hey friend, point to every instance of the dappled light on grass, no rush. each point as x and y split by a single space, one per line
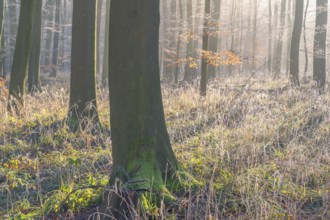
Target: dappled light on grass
258 151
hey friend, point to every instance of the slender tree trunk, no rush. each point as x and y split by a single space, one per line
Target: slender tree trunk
305 42
21 57
278 52
205 46
169 56
98 35
105 70
320 37
232 34
289 36
83 105
254 38
295 43
270 31
2 18
3 63
13 30
189 54
34 57
56 38
49 33
143 160
213 44
178 46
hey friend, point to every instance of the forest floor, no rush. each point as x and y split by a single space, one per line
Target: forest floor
260 149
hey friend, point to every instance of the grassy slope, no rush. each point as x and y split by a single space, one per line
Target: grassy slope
260 151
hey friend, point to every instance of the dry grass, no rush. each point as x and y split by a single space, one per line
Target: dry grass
261 151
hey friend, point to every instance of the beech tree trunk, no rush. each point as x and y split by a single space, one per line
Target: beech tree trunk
205 46
105 69
295 43
56 37
83 105
320 37
278 50
142 155
34 58
213 44
2 18
21 56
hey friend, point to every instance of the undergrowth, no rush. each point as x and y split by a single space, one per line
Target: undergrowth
260 151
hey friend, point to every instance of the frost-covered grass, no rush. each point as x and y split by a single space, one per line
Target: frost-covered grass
260 150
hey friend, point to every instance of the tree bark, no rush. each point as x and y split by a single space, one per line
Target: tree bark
254 38
320 37
213 44
56 37
188 74
295 43
142 155
105 69
278 52
2 18
98 35
305 42
21 57
205 46
34 57
49 33
178 45
83 105
270 31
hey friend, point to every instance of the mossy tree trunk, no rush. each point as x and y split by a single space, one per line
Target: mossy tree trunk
295 43
143 159
205 46
21 56
57 10
34 58
83 106
320 37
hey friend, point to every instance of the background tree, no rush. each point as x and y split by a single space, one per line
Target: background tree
305 40
57 12
205 47
21 56
49 33
214 39
105 69
142 153
278 50
320 37
83 105
270 30
295 43
2 18
34 57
